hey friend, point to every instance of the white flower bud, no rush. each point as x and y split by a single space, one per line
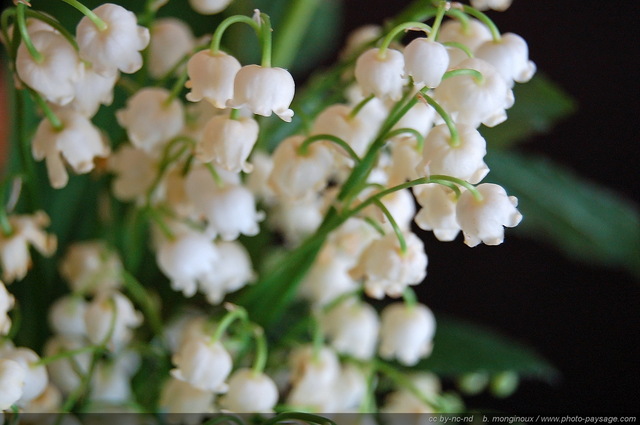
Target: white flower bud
297 218
66 316
171 40
151 122
12 382
328 278
184 403
50 400
263 91
228 142
250 392
203 364
359 37
232 271
510 56
135 171
111 314
471 34
313 378
426 61
357 131
464 161
35 377
117 46
381 76
406 333
438 212
499 5
483 221
352 329
90 267
211 77
209 7
6 303
111 382
67 373
405 401
92 90
54 77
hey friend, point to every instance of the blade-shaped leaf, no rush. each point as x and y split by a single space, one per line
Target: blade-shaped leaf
586 221
461 347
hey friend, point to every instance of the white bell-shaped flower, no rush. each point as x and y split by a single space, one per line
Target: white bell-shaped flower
360 36
250 392
473 102
78 144
426 61
149 120
209 7
187 260
90 267
135 171
55 76
118 45
14 249
387 270
406 333
328 278
483 221
92 90
171 40
336 120
111 315
232 271
296 218
12 382
405 401
264 90
400 205
66 316
438 212
228 142
203 364
67 373
211 77
349 390
6 303
499 5
313 376
510 56
111 381
257 181
296 176
35 376
381 76
471 33
464 161
184 403
352 328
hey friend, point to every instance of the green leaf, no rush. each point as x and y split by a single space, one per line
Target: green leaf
539 105
586 221
461 348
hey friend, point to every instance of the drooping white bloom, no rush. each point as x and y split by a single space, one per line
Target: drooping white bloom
510 56
357 130
78 144
463 161
250 392
92 90
66 373
352 328
12 382
406 332
187 260
6 303
295 175
381 76
232 271
228 142
438 212
118 45
263 91
474 102
499 5
297 218
328 278
483 221
471 33
149 120
111 382
426 61
203 364
14 249
185 403
387 270
135 171
35 376
349 389
209 7
90 266
211 77
400 205
54 77
359 37
66 316
405 401
49 400
313 376
111 314
257 181
171 40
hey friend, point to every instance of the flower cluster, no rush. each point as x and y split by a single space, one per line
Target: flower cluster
337 199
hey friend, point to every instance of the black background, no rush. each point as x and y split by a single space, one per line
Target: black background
583 318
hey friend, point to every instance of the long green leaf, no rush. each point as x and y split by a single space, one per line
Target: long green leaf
586 221
461 347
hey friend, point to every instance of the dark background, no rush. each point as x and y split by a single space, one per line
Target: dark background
583 318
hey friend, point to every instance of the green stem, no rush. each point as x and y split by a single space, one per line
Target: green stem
266 39
454 141
234 114
55 24
474 73
388 39
292 30
394 225
139 294
360 105
5 225
99 23
409 297
442 8
176 89
303 149
495 32
234 313
415 133
166 231
217 35
25 150
262 351
402 381
377 227
21 21
66 354
461 17
460 46
214 174
48 112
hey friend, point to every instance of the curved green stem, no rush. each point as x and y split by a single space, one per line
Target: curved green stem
99 23
388 39
215 175
66 354
376 226
415 133
5 225
460 46
166 231
262 351
303 149
141 297
234 312
495 32
402 381
474 73
21 21
394 225
176 89
266 40
360 105
217 35
48 112
454 141
461 17
442 8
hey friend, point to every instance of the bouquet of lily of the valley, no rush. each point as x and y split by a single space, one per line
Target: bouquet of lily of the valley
212 237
